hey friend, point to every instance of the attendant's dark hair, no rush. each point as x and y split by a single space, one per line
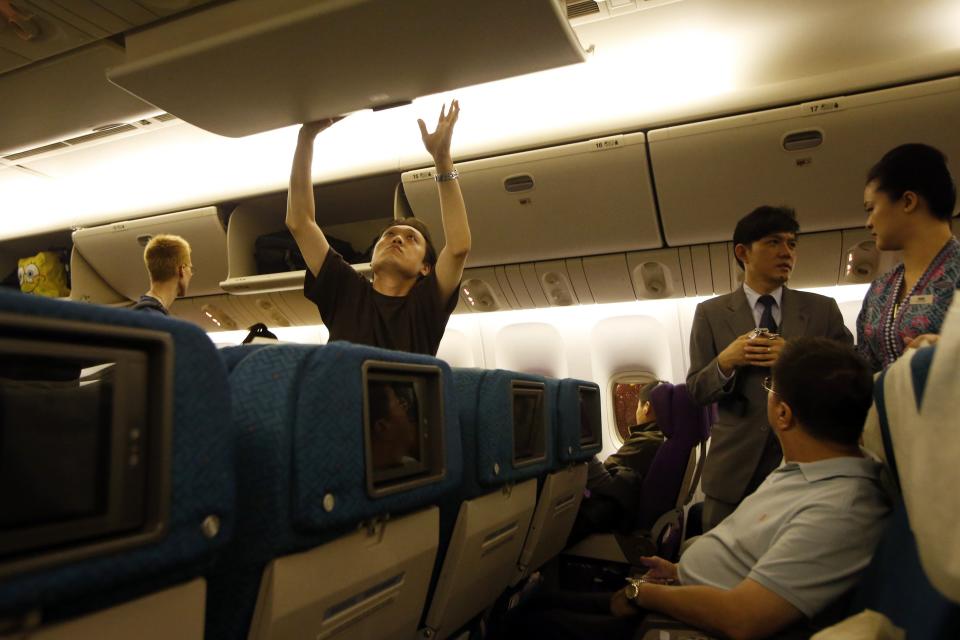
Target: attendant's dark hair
430 255
828 387
762 222
919 168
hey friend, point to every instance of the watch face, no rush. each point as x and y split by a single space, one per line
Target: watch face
633 590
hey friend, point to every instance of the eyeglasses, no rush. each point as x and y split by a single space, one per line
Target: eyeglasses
193 271
768 384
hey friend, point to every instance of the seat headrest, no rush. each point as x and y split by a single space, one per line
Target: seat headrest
677 415
201 469
328 453
485 398
570 448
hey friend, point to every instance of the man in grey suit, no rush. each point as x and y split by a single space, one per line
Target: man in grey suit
728 361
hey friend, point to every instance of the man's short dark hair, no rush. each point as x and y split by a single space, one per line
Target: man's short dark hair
827 385
643 395
762 222
430 255
919 168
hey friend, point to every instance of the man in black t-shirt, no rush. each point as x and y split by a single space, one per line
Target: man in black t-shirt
414 290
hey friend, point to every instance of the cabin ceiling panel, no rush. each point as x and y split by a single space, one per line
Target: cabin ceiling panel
64 97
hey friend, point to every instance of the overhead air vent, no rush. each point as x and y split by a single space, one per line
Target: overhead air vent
581 8
35 151
99 133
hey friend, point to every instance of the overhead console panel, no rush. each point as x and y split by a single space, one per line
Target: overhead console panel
585 198
813 157
249 66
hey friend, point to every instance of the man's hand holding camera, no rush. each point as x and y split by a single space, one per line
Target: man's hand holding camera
758 348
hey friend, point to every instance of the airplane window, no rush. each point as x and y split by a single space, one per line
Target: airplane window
626 389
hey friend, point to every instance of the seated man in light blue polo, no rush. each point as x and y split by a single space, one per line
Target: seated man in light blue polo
800 542
790 549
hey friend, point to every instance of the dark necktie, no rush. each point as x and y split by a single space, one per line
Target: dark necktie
766 318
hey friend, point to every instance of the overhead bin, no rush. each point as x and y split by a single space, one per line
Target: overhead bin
86 285
115 251
813 157
248 66
353 211
585 198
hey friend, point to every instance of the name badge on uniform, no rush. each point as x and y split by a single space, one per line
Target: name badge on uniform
922 299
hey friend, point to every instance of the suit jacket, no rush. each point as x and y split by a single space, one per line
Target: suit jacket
739 436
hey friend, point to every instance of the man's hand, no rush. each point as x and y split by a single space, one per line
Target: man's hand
923 340
620 605
735 355
659 570
313 129
764 352
438 142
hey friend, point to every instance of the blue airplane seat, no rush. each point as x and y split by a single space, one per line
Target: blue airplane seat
483 527
233 354
164 574
580 431
578 437
895 583
318 552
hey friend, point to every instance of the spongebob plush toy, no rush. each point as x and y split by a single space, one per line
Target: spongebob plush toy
43 275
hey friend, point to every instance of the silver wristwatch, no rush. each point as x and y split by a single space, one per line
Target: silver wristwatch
633 589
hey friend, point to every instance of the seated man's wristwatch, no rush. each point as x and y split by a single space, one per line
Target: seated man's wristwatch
632 590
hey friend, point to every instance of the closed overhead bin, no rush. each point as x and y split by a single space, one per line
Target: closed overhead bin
585 198
812 156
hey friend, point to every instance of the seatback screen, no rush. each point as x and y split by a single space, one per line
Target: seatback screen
403 424
54 441
529 425
397 446
589 415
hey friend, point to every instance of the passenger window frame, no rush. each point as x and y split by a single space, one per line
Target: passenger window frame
635 378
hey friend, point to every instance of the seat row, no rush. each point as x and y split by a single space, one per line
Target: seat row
335 491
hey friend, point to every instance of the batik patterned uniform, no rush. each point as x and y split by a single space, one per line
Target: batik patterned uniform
883 326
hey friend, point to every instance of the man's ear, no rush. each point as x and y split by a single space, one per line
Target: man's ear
783 415
380 426
910 201
741 251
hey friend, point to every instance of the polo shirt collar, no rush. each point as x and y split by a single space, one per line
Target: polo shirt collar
850 467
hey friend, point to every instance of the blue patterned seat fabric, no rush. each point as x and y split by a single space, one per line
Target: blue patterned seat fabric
569 447
298 413
232 355
486 421
894 583
202 477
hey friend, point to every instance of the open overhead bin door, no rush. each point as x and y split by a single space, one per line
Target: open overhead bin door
250 65
586 198
115 251
813 157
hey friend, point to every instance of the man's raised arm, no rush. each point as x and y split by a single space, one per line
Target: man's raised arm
301 217
453 212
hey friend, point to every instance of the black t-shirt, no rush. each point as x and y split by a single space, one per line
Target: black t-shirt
352 310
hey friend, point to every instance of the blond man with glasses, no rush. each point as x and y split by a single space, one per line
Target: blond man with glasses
168 262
